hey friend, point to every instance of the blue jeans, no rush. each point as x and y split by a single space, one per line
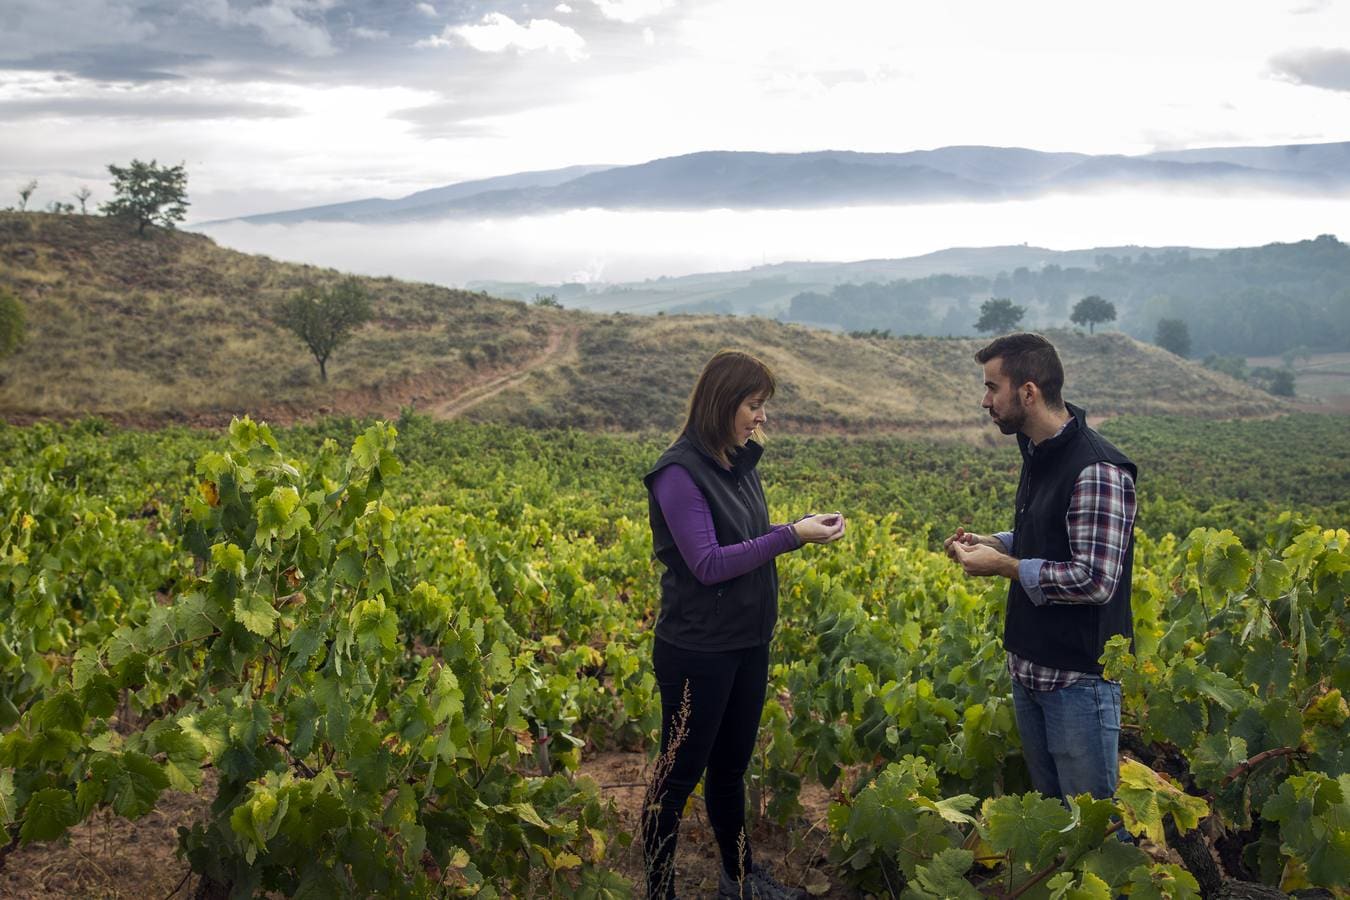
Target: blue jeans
1070 737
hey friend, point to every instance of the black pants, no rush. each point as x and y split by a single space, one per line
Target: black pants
714 731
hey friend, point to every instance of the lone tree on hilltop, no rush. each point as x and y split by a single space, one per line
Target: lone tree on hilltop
83 195
25 192
11 323
324 318
1174 336
1091 310
148 193
999 314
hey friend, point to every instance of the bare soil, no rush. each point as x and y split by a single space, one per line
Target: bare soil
797 855
109 858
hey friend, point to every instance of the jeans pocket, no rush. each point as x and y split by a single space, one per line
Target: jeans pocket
1108 704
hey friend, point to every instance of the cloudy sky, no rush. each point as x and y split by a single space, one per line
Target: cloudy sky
275 104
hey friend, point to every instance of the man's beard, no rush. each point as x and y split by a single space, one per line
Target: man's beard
1015 419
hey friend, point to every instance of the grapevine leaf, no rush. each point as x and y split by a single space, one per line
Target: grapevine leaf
1330 709
565 861
99 695
304 643
1027 826
350 566
1314 815
228 559
1065 886
280 514
302 714
47 816
1163 882
1214 757
337 713
1273 579
1283 721
134 783
192 617
255 613
1091 818
1227 565
210 726
414 841
85 666
185 754
1146 796
944 875
8 810
376 626
952 808
61 710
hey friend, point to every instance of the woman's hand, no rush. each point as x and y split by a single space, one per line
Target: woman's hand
821 528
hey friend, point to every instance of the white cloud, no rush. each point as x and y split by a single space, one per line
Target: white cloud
632 10
562 8
426 9
498 32
648 36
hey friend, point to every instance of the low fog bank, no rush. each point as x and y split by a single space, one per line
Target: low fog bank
616 246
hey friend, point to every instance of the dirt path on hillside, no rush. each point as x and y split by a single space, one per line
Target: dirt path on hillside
561 347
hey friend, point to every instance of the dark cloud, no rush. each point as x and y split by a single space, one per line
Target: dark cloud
115 63
136 107
1323 68
310 43
118 40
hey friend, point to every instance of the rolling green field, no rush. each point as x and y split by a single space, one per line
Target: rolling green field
394 646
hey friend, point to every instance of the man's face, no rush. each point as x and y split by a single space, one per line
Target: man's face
1001 398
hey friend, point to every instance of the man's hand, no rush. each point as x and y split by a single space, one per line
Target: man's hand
970 539
981 559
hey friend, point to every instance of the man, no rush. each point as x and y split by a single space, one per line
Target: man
1068 559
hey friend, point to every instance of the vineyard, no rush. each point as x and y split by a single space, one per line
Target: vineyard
386 651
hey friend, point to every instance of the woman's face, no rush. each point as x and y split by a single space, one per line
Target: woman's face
750 415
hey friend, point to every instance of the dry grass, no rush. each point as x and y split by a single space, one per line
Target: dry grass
175 328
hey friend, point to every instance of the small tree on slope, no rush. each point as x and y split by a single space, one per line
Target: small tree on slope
324 318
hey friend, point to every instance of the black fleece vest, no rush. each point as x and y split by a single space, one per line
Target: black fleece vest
1062 636
735 614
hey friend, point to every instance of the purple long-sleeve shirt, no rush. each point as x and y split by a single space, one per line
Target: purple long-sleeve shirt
691 524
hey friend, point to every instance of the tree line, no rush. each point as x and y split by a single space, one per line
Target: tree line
1246 302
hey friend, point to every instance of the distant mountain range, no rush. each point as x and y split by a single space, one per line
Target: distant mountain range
746 180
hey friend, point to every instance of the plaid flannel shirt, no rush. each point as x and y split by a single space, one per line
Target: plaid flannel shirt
1100 520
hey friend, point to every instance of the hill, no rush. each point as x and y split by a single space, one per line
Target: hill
175 328
717 179
769 289
1247 301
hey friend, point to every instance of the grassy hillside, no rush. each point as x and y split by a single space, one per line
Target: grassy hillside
175 328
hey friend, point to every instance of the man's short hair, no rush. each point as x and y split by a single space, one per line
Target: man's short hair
1028 357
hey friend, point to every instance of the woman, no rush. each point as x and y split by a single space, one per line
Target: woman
719 603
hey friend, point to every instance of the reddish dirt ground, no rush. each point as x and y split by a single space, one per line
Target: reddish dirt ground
108 857
796 856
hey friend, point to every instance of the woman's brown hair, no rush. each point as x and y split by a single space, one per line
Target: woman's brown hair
727 380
